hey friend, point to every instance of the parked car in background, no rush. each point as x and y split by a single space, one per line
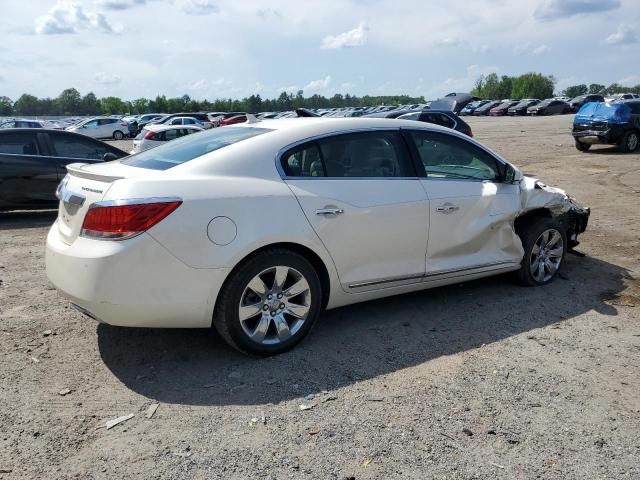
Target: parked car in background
580 100
549 107
443 118
233 120
33 161
615 123
200 116
155 135
453 102
503 108
147 118
185 235
101 127
521 107
21 123
185 121
390 113
622 96
471 107
486 108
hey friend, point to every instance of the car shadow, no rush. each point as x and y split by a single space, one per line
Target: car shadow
610 150
20 219
354 343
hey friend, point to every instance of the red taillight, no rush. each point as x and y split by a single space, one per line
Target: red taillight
470 133
117 222
149 135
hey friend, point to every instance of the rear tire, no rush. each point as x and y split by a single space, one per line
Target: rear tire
273 320
118 135
545 246
583 147
629 142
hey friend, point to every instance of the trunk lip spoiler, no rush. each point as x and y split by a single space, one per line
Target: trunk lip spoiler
76 169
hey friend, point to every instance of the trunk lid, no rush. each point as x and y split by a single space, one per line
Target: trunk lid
84 185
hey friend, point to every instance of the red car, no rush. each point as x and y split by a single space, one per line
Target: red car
233 120
503 108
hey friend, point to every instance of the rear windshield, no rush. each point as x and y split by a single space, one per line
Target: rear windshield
187 148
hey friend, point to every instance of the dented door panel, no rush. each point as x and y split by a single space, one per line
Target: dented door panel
471 224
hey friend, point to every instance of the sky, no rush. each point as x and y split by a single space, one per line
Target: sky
235 48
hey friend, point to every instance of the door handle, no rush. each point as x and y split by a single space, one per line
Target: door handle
447 208
328 212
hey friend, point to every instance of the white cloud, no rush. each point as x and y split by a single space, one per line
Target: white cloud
353 38
107 78
318 85
449 42
554 9
120 4
68 16
625 35
347 86
540 50
198 84
200 7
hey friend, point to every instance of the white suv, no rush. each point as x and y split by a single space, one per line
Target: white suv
102 127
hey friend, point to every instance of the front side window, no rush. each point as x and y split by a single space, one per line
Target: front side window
190 147
71 147
92 123
448 157
19 144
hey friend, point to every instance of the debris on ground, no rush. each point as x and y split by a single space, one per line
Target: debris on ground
152 410
307 406
64 391
112 423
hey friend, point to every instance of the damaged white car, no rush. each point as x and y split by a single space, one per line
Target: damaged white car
255 229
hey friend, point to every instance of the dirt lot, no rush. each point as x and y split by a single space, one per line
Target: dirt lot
484 380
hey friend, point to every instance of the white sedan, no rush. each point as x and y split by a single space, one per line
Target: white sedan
102 127
255 229
155 135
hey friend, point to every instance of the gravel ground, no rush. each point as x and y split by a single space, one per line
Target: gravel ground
483 380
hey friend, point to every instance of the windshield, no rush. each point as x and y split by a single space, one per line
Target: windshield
544 103
187 148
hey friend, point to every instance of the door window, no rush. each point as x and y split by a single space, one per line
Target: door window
72 147
445 156
171 134
368 154
19 144
107 121
91 124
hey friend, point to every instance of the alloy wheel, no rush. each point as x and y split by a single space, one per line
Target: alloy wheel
632 142
546 255
274 305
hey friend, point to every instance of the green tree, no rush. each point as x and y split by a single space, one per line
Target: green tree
576 90
90 105
140 105
533 85
69 101
113 106
596 88
6 106
26 105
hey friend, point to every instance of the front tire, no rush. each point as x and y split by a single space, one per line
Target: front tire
545 246
629 142
118 135
270 303
583 147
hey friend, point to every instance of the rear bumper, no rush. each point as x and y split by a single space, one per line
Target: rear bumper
609 134
134 283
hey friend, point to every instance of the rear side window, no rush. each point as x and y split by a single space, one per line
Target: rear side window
438 119
19 144
357 155
192 146
635 107
446 156
71 147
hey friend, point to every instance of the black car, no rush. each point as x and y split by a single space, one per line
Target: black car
615 123
484 109
390 113
549 107
33 161
577 102
19 123
444 118
521 108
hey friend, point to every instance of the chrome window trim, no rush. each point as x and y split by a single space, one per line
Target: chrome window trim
25 155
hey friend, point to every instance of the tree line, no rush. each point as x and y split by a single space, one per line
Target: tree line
71 103
537 85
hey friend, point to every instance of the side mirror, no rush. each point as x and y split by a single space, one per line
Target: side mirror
107 157
511 175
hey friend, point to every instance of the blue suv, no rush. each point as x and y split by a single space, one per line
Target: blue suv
615 123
